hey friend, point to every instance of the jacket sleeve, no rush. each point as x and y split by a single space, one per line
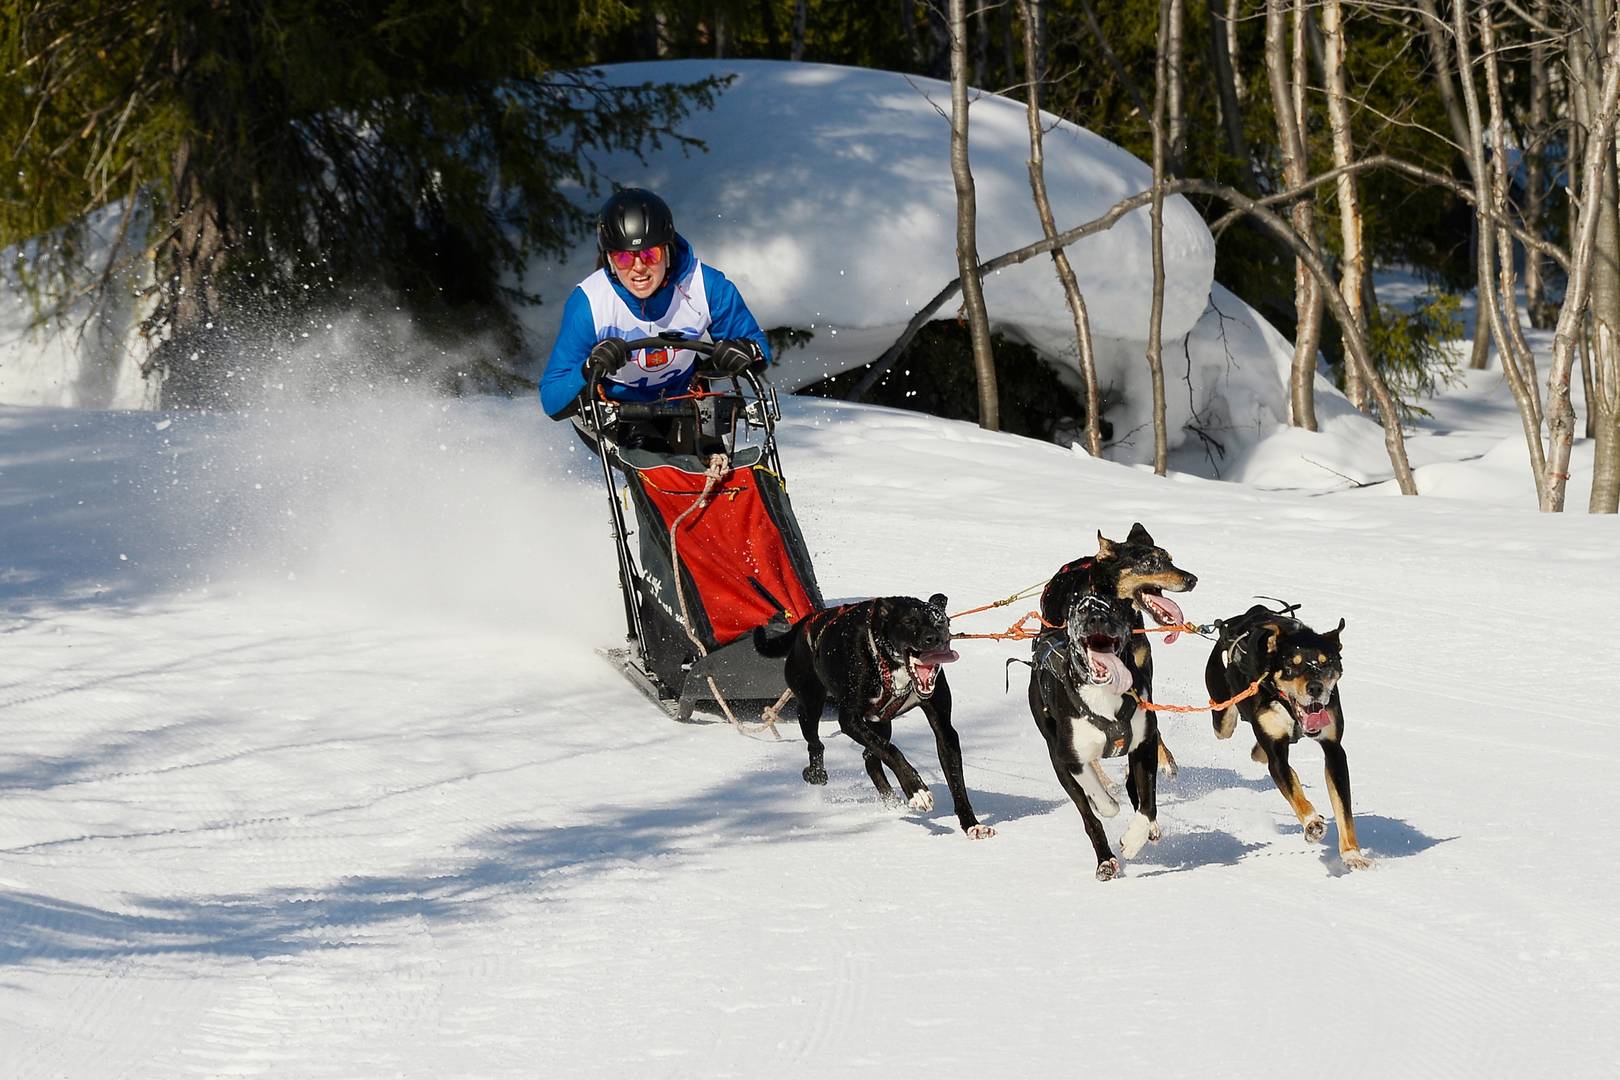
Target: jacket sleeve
729 317
562 380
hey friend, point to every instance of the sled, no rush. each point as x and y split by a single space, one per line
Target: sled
735 562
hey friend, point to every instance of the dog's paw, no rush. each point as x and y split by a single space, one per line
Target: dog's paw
1167 763
1315 829
1108 870
979 832
815 774
1355 860
1155 834
1136 834
1225 723
921 799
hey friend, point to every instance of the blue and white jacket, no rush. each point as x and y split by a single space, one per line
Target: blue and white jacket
694 301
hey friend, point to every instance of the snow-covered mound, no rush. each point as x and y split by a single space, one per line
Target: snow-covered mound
826 195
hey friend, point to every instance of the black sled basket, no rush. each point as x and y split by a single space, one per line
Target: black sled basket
736 562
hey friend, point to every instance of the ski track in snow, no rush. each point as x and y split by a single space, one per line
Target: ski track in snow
322 779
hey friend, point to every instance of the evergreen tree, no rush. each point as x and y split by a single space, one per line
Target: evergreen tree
271 153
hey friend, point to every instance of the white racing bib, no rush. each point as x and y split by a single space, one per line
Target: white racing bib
687 315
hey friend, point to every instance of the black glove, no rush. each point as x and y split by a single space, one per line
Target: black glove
734 356
607 356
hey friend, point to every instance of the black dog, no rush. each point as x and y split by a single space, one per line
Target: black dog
875 660
1298 671
1090 674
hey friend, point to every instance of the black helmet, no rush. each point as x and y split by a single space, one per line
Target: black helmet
634 220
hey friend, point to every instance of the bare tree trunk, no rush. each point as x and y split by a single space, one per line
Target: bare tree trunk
1535 176
1307 297
1060 258
981 44
1597 213
1176 96
967 252
801 13
1353 268
1226 89
1436 33
1155 357
1233 9
1490 189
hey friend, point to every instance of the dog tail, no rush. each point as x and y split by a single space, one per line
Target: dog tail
777 646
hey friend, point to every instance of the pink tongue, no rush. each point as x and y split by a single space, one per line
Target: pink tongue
1317 719
938 657
1167 612
1109 671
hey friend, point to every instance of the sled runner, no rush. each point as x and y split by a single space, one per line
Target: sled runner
708 549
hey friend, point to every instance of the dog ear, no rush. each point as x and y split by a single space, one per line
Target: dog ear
881 607
1270 634
1139 535
938 600
1333 634
1105 546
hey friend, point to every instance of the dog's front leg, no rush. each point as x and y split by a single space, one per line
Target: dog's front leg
854 725
1107 865
1141 784
1337 769
1287 781
949 744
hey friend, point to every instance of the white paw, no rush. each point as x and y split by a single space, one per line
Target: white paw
1315 829
922 800
980 832
1136 834
1107 871
1355 860
1155 834
1107 808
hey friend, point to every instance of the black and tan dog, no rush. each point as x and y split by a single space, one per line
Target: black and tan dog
875 660
1138 572
1298 696
1092 670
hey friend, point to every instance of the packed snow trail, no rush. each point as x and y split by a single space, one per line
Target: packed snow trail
310 771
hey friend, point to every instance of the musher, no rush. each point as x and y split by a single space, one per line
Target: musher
647 282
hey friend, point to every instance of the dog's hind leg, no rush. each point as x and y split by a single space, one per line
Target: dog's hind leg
874 764
917 794
1337 769
811 701
1167 760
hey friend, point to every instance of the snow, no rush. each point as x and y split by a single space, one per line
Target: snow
311 770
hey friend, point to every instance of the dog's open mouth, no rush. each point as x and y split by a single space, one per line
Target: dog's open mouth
1165 611
924 668
1103 665
1313 716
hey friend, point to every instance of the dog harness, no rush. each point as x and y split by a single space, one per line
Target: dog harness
1053 656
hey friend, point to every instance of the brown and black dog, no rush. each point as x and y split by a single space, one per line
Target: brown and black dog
875 660
1298 696
1090 674
1138 572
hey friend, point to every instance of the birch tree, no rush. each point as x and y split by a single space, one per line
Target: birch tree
1286 88
967 253
1060 258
